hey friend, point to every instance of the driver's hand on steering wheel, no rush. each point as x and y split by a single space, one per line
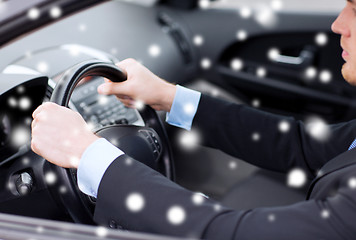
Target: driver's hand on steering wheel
141 86
60 135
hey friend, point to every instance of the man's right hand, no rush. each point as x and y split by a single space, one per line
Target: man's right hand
141 86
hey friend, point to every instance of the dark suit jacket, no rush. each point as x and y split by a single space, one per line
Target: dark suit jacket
328 213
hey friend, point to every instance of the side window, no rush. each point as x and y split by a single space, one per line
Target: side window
288 5
140 2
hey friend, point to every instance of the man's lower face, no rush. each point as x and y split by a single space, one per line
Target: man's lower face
349 73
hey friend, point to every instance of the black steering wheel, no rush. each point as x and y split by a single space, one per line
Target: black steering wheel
148 144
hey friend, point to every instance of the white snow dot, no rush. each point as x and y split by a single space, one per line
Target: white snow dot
245 12
217 207
176 215
90 126
103 99
236 64
28 54
189 108
20 136
114 51
317 128
198 40
114 141
20 89
271 217
256 137
25 161
42 67
284 126
352 183
135 202
128 161
40 229
215 92
50 178
139 105
241 35
311 72
261 72
325 76
189 140
33 13
232 165
101 231
325 214
55 12
204 4
198 198
266 17
24 103
12 102
74 51
276 5
273 54
296 178
319 173
28 120
74 161
205 63
321 39
11 186
63 189
154 50
256 103
82 27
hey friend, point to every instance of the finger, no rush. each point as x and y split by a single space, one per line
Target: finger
37 111
121 96
128 102
34 146
85 80
104 88
46 107
125 64
33 124
113 88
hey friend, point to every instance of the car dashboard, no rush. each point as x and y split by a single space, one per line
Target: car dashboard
39 60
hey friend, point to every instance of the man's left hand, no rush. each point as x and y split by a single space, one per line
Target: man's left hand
60 135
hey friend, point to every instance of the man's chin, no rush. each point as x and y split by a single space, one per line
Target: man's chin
349 76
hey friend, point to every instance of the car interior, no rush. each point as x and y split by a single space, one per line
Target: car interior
286 63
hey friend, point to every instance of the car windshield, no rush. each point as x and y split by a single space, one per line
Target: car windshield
10 8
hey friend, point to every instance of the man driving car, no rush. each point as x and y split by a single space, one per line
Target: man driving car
131 195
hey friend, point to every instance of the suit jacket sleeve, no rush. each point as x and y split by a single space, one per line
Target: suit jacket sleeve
328 218
229 127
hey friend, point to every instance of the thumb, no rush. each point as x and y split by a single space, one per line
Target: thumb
110 88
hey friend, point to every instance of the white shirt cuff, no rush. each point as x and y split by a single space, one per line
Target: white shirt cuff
184 108
93 164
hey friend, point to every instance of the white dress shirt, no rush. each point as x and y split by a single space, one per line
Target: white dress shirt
100 154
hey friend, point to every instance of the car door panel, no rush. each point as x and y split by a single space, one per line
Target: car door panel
293 35
285 88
